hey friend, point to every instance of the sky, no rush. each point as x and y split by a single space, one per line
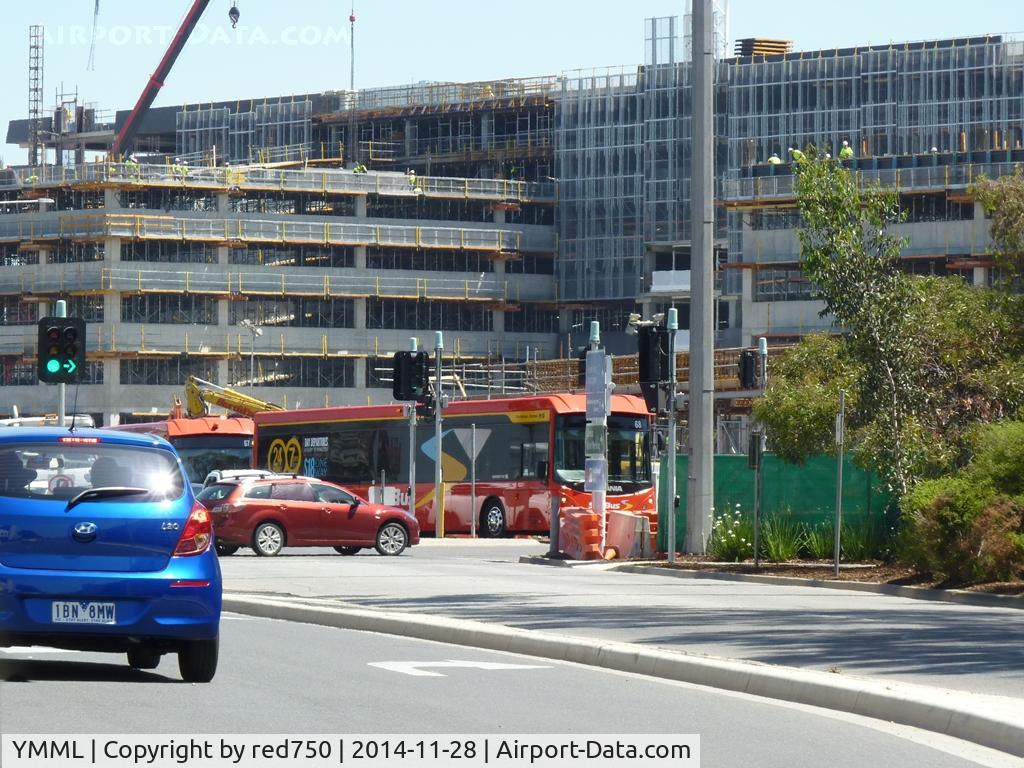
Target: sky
302 46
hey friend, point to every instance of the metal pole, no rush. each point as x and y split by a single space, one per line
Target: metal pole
762 437
670 475
438 490
412 446
62 311
757 500
700 489
840 428
252 359
599 494
472 480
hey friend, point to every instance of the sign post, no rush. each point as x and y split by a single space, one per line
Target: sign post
840 429
599 386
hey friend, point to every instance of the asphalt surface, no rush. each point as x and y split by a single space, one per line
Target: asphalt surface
281 677
960 647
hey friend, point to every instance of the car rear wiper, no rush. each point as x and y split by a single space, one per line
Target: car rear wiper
110 492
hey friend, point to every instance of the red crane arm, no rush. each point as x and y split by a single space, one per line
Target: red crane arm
156 80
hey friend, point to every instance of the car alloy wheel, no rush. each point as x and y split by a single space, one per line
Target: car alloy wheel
267 539
391 539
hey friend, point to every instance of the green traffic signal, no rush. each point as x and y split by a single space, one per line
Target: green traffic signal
61 349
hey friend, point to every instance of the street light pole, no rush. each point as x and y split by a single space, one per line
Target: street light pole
255 330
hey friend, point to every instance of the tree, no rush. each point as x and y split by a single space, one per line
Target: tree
799 407
1003 200
853 262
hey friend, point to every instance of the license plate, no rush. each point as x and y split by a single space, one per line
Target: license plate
77 612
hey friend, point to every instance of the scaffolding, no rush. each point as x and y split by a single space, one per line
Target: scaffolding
35 94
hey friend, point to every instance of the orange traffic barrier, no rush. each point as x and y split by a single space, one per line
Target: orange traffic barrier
579 534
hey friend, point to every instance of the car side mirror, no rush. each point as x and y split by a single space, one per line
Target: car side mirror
354 505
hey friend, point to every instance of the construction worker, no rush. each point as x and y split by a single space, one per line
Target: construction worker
774 159
131 166
33 179
360 168
412 180
846 152
796 155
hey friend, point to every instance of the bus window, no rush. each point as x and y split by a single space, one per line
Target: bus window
534 459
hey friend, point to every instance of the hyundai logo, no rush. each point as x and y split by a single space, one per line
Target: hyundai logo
84 532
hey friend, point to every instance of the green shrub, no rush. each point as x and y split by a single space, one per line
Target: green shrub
962 530
732 536
865 538
820 541
781 538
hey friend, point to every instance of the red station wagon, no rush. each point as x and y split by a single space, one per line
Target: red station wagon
269 514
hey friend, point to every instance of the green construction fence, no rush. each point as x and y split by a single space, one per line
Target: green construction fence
807 492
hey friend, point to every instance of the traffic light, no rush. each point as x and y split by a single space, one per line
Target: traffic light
748 369
411 376
61 350
653 343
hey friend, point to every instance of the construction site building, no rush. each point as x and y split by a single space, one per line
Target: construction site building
546 203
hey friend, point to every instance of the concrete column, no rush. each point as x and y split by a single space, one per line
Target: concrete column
112 385
980 278
486 130
223 254
112 250
499 215
359 374
410 137
361 207
223 202
747 307
360 257
359 314
110 198
222 374
499 321
223 314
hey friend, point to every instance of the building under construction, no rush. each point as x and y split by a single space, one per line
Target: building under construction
534 206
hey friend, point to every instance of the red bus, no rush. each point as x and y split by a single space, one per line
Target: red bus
204 443
527 450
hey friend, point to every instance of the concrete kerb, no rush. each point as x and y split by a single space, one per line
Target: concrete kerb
993 722
915 593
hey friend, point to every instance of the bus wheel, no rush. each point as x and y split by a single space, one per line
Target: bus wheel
267 539
492 520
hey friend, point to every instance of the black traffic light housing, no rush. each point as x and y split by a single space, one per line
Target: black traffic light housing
411 376
61 351
748 369
653 344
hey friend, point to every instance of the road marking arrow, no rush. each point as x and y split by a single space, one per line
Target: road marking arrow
415 668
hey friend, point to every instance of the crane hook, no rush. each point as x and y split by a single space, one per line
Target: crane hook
234 15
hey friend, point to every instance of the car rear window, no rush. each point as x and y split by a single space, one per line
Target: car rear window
62 470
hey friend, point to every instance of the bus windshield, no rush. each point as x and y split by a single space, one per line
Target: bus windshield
203 453
628 451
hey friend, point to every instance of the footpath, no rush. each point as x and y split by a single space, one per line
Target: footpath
950 668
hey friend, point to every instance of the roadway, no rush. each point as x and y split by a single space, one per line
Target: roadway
277 677
961 647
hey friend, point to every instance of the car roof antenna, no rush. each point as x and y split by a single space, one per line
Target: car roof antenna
74 409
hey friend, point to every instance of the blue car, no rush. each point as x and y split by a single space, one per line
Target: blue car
104 548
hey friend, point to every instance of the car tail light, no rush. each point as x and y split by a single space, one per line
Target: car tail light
198 533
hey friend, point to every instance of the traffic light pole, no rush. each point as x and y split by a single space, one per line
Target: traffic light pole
412 447
62 389
438 408
670 475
